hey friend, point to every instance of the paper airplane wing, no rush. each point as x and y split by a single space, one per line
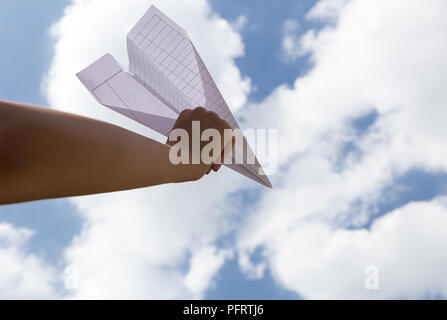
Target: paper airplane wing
167 75
163 57
116 89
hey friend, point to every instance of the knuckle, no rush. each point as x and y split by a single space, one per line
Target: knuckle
228 126
225 124
199 109
184 112
212 115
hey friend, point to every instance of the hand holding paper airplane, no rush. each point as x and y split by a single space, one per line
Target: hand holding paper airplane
166 76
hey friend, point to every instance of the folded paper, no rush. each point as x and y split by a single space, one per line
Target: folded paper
166 75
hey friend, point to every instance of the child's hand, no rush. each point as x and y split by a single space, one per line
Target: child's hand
208 119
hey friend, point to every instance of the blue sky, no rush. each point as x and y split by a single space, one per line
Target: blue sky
27 50
265 24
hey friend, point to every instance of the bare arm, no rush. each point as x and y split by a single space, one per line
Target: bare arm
46 154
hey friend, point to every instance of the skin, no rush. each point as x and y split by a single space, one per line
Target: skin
46 153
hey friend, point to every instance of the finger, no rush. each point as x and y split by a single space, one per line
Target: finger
200 110
184 111
216 167
181 117
212 116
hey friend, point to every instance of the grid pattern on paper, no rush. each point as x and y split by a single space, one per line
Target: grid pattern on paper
167 62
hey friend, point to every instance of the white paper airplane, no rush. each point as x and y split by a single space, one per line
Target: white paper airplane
166 75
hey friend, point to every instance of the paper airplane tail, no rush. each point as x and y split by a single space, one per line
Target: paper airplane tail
242 169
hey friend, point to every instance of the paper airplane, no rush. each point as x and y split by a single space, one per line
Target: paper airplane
166 75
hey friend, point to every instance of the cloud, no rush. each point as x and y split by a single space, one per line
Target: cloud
380 57
145 243
240 23
327 10
203 266
23 275
406 246
290 40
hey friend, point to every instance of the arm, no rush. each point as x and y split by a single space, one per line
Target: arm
46 154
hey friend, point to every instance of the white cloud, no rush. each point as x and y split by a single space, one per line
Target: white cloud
327 10
137 243
382 56
291 41
203 266
23 275
407 246
240 23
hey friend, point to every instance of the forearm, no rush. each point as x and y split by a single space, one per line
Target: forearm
47 154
